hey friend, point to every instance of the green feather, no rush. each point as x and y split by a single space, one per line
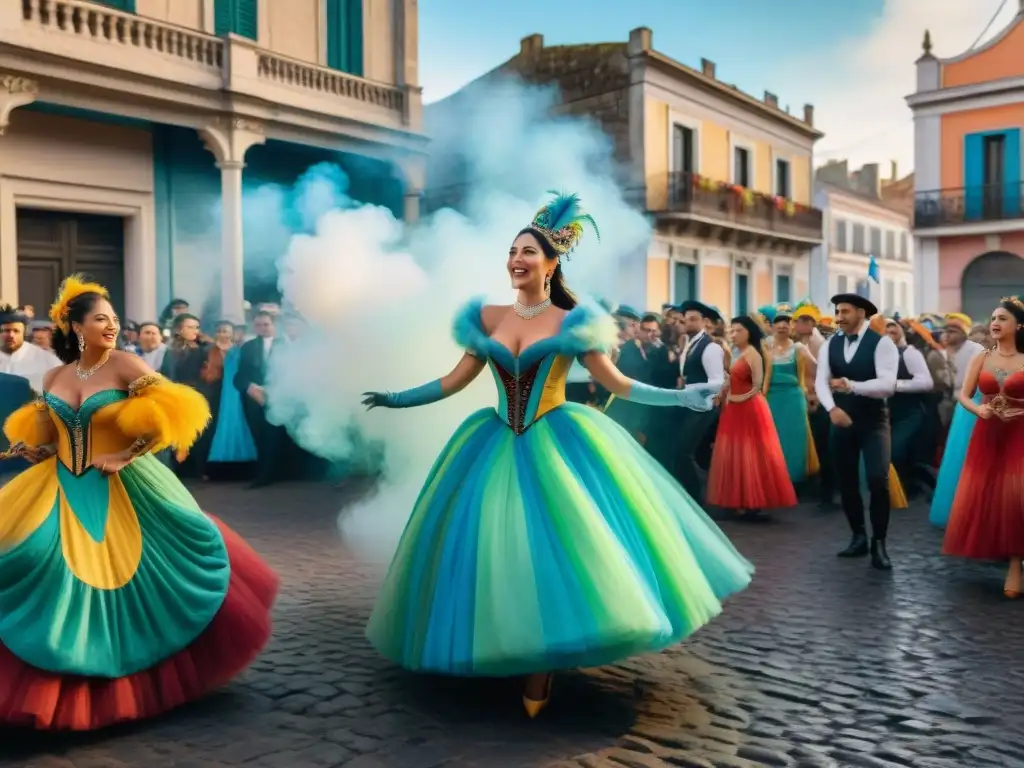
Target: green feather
562 211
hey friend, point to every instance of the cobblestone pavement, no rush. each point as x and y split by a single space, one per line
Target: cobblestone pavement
822 662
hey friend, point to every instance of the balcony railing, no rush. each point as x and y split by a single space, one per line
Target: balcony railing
968 205
724 203
94 34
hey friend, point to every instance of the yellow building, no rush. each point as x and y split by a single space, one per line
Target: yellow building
726 177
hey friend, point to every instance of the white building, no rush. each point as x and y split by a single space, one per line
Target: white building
125 127
858 225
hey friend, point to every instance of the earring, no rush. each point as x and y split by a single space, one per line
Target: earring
547 284
81 344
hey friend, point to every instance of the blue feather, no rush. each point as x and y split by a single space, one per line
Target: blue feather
563 211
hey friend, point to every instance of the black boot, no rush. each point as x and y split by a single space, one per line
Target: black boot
879 557
858 546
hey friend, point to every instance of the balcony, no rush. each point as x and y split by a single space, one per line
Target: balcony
990 204
86 52
735 214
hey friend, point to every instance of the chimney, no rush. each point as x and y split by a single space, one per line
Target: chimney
809 114
640 41
771 99
532 45
894 168
707 68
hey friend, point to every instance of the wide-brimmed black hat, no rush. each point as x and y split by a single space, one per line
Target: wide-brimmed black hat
699 306
856 300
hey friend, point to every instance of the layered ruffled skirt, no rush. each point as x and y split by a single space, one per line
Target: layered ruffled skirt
567 546
119 598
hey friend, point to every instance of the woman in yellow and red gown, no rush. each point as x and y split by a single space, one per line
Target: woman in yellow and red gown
748 470
119 598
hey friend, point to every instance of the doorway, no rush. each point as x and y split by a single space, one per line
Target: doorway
987 279
55 244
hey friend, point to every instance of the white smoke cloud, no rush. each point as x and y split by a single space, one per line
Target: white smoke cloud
380 296
860 92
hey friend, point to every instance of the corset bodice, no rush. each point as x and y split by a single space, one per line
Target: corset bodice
530 385
89 431
1003 391
741 378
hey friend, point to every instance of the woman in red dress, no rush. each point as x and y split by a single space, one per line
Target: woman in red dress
748 470
986 521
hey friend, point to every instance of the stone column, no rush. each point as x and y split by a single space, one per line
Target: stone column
229 139
413 171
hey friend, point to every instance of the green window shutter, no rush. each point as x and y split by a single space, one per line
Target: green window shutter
345 35
247 19
237 16
128 6
223 17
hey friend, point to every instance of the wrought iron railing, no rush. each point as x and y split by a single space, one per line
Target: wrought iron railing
966 205
730 203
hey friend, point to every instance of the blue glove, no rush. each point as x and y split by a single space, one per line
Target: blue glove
409 398
696 398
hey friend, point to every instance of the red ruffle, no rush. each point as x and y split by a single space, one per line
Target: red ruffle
49 701
986 520
748 469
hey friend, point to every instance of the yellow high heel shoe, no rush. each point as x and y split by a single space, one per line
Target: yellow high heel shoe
533 707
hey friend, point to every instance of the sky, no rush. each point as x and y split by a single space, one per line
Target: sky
852 59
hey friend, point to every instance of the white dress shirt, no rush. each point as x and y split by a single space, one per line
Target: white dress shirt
887 363
268 344
962 361
917 367
155 357
712 359
30 362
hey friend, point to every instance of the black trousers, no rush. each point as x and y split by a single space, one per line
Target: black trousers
693 426
867 439
821 432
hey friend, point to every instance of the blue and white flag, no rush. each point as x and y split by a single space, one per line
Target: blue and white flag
873 270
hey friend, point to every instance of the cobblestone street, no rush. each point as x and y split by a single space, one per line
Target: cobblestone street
822 662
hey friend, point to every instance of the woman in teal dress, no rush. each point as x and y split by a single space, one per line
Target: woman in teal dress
546 537
119 598
786 389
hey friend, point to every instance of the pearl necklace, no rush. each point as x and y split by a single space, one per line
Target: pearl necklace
87 374
528 312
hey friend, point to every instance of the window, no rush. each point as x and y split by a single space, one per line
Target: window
345 36
903 246
840 241
858 239
684 286
782 181
840 235
842 284
995 151
889 301
128 6
741 166
237 16
683 149
890 244
904 303
782 288
742 293
876 243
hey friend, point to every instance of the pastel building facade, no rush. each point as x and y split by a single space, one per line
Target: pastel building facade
133 134
725 177
968 213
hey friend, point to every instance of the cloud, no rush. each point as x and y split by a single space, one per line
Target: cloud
859 95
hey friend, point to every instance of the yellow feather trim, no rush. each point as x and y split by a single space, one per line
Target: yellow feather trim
171 415
29 425
72 287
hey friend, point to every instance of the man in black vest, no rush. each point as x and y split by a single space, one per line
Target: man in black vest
856 373
703 363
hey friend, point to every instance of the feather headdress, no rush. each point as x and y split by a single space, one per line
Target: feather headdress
561 222
72 287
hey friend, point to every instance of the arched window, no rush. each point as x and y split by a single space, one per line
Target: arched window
987 279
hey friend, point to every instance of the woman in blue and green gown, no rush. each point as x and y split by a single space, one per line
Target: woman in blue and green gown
545 537
786 390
